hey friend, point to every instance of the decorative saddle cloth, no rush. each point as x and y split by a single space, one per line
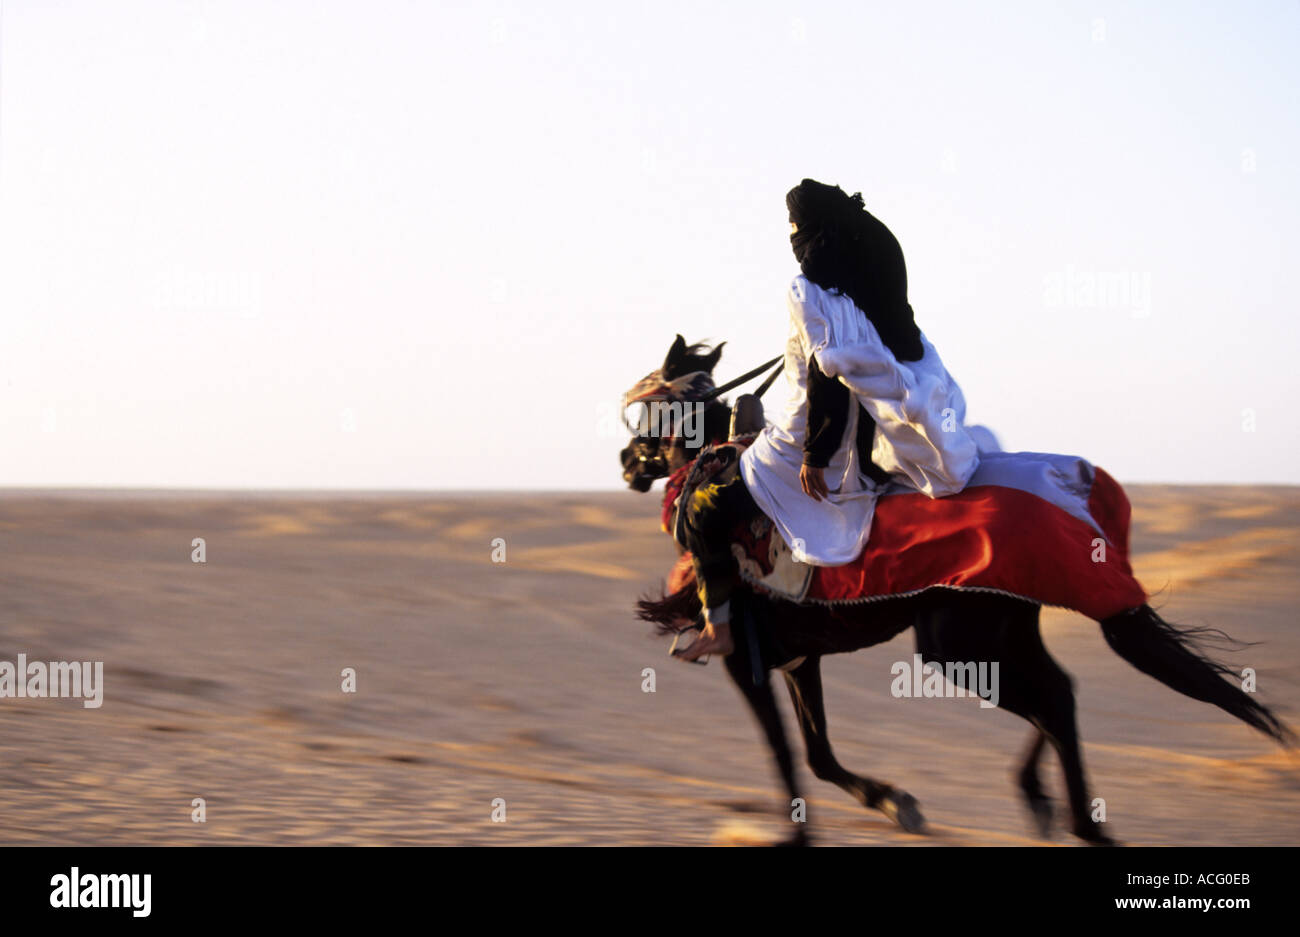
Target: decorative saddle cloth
765 559
1046 528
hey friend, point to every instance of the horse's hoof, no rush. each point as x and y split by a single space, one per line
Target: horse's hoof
902 808
800 837
1093 836
1040 812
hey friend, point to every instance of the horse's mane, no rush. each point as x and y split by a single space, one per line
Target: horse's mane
700 356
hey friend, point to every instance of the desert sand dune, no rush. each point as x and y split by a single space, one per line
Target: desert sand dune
522 680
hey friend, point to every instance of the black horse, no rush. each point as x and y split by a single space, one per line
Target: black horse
951 627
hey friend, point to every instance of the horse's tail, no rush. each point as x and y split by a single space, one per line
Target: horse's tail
667 611
1176 657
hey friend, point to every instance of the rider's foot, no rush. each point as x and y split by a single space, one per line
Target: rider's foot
714 639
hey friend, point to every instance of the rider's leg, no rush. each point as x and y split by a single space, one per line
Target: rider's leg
712 514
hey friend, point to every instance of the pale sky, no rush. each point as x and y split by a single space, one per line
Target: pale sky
428 245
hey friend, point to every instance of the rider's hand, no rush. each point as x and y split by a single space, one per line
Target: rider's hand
813 482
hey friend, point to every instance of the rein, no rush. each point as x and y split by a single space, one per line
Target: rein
736 382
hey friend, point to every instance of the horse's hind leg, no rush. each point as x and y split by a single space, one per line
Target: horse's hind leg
805 685
1031 684
1055 717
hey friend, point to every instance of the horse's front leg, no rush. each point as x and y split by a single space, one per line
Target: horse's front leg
805 685
763 704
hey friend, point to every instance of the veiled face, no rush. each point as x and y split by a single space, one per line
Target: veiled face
794 228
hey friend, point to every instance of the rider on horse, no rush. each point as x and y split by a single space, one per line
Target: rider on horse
853 340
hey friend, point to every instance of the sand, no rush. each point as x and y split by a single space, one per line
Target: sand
523 680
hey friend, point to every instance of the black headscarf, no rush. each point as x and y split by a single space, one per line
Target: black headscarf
840 246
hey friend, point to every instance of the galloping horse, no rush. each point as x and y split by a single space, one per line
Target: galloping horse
951 627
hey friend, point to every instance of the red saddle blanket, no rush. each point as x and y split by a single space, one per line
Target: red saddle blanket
987 538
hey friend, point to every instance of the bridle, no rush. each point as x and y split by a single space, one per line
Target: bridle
646 457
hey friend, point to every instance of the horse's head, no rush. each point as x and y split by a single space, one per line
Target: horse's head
671 415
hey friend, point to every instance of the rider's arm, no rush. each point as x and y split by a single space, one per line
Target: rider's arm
866 439
829 401
828 415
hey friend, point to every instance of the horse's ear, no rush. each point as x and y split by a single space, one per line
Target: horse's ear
714 357
675 354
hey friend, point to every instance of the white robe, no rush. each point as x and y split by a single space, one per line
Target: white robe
921 437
